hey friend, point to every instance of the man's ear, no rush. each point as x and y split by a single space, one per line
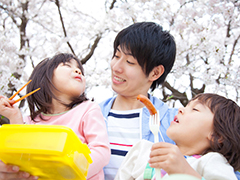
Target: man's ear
156 72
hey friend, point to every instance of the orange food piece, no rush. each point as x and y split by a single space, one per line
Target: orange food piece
152 110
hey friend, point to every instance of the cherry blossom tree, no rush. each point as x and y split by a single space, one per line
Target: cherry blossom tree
207 33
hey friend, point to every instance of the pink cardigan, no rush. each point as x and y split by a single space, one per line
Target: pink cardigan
87 121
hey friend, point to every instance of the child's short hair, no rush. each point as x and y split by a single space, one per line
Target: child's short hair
226 126
150 45
42 78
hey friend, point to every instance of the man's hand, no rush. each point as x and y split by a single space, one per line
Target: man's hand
11 172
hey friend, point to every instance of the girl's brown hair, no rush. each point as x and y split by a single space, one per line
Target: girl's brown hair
226 126
40 102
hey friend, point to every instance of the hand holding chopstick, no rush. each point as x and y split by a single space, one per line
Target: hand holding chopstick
15 101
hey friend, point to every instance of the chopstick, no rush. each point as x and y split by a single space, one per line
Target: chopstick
24 95
19 90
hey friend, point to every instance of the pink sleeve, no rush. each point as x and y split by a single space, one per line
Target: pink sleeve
96 137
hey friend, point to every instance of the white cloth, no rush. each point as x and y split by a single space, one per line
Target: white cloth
135 162
211 166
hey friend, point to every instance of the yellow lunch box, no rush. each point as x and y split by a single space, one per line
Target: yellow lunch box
51 152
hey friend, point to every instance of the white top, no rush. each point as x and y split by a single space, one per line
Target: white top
123 133
211 166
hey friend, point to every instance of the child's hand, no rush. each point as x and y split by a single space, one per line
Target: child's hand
10 111
168 157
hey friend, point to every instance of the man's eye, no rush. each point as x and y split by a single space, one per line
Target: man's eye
116 56
129 62
195 109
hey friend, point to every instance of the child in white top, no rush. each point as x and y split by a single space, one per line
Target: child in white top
207 135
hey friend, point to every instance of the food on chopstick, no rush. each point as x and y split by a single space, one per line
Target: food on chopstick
152 110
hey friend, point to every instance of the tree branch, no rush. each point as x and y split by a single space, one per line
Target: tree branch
176 95
112 4
233 49
63 26
23 25
10 13
195 91
228 28
93 47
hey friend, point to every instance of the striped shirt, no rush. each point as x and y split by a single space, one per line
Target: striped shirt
124 132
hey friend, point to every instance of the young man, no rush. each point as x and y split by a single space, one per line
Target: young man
143 56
